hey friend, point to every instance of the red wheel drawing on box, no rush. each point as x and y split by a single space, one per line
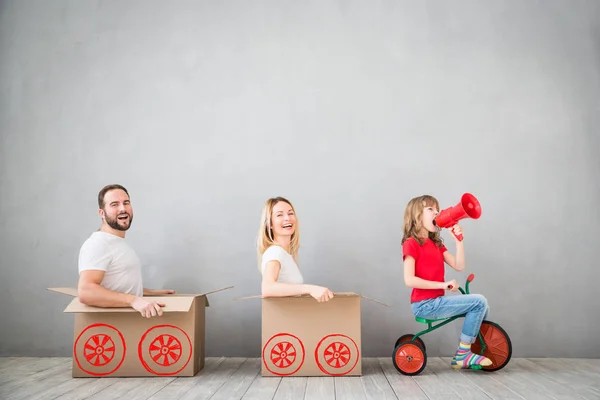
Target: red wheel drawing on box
336 354
165 350
283 354
99 349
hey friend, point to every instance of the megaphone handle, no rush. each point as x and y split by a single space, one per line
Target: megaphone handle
459 237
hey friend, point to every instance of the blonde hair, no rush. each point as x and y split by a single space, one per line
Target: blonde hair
265 233
412 219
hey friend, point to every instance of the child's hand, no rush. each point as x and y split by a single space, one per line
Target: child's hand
456 231
451 285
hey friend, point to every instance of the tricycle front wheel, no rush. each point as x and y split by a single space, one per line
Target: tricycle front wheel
498 345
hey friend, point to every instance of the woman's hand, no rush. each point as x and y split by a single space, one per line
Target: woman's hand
321 294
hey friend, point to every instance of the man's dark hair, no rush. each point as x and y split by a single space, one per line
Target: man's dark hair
107 189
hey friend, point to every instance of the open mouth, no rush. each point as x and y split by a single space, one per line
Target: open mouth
287 226
123 217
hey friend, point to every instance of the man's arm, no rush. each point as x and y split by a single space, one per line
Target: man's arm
92 293
157 292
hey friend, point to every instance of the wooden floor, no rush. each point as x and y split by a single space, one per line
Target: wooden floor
239 378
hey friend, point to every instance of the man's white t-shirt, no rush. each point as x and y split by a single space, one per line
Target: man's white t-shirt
289 271
113 255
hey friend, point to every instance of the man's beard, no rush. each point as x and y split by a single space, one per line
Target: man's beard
116 224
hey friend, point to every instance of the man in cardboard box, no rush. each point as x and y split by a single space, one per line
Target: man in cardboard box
110 272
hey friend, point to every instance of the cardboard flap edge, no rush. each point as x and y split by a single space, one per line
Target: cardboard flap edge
206 303
215 291
70 291
258 296
375 301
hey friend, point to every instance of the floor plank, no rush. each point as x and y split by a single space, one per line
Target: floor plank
58 384
133 388
404 387
523 382
239 378
180 386
555 388
262 388
434 386
454 380
20 369
237 384
486 382
61 389
291 388
348 387
374 381
207 387
320 388
89 388
566 374
26 383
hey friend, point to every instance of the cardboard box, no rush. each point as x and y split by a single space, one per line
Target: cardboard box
119 342
302 337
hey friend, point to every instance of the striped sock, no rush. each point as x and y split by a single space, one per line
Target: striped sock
465 358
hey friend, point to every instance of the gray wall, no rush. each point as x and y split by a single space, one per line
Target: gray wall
349 108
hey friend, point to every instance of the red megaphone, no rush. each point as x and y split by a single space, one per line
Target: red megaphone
468 207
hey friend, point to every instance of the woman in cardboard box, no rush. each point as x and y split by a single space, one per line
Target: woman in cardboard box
278 243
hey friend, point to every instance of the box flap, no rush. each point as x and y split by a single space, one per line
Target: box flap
172 304
258 296
64 290
375 301
352 294
211 292
214 291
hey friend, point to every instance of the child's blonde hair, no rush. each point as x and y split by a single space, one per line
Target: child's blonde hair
412 219
265 232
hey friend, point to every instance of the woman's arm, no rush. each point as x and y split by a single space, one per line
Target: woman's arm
272 288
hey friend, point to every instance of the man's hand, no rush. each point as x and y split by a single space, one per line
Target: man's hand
147 308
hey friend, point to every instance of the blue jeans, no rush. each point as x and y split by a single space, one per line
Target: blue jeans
474 305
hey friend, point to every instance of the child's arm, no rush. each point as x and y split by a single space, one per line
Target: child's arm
412 281
458 262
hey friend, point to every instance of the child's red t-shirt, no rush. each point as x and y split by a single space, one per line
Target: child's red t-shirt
429 265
